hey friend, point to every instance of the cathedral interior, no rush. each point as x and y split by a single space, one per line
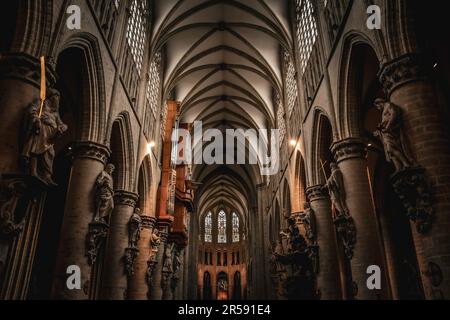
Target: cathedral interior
349 200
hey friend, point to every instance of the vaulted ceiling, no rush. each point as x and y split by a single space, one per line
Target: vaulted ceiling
222 61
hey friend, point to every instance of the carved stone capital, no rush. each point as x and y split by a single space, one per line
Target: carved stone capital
125 198
316 193
24 67
349 149
148 222
91 150
401 71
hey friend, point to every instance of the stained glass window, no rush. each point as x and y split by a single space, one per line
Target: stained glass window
281 122
235 227
208 227
290 83
136 31
154 84
306 30
222 227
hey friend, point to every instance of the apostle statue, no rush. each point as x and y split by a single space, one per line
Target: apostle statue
168 262
134 228
42 128
155 241
308 220
335 185
104 193
390 133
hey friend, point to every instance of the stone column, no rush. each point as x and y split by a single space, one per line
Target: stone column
350 155
89 161
407 85
156 290
328 277
138 287
114 281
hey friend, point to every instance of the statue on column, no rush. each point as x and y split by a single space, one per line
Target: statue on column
134 234
335 186
345 225
168 260
308 219
391 135
104 204
155 242
104 193
41 130
176 269
134 228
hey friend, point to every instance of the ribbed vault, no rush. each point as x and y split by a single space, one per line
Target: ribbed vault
222 62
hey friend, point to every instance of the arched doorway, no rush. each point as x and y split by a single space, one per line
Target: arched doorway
207 290
237 287
222 286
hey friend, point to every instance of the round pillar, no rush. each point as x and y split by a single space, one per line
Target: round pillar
350 155
89 161
408 86
328 276
138 287
115 280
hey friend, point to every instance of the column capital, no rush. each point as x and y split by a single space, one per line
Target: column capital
316 193
148 222
402 70
125 198
24 67
350 148
91 150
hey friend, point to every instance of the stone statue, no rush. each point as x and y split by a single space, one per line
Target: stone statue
391 135
176 260
11 193
134 228
335 185
345 225
41 133
308 220
155 241
222 285
104 193
168 259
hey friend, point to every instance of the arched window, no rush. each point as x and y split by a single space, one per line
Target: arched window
290 83
235 227
154 84
222 227
306 30
208 227
136 31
